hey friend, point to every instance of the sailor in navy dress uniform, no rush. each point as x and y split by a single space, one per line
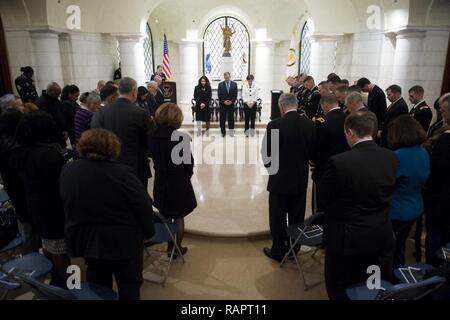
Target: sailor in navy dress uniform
25 86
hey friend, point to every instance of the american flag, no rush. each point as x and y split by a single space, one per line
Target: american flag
166 60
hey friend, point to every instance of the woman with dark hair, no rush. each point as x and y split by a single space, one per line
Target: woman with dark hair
172 192
69 98
108 216
202 97
39 161
141 100
405 137
25 85
250 97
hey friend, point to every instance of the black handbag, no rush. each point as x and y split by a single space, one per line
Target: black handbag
8 226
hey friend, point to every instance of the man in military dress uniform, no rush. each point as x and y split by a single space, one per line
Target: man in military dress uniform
330 141
421 111
312 105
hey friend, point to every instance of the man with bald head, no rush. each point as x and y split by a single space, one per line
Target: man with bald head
355 103
49 102
100 86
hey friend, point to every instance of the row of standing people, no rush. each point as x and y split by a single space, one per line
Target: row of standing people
66 204
370 186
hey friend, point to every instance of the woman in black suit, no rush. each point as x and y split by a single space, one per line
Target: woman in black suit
202 97
172 192
38 159
108 213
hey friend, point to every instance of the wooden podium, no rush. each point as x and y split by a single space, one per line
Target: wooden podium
169 91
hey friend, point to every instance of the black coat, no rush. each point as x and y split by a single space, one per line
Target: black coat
10 176
69 110
202 96
330 140
159 99
438 185
357 189
297 137
55 108
39 167
395 110
108 210
173 192
131 124
423 114
377 103
26 89
224 95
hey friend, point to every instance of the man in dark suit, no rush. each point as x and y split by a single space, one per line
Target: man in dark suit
50 103
330 141
397 108
287 149
357 188
377 99
227 93
355 103
155 98
131 124
420 111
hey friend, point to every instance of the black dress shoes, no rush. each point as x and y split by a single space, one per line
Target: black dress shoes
269 254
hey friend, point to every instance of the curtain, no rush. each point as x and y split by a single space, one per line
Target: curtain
5 76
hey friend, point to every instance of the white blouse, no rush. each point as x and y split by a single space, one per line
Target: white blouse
250 93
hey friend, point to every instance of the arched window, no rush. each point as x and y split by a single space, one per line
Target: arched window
213 49
305 49
118 53
148 54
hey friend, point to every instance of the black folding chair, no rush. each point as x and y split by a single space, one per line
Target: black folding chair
407 291
308 233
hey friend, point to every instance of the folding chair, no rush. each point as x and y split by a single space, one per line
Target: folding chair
308 233
165 231
444 253
33 265
408 291
88 291
193 102
8 216
412 273
259 108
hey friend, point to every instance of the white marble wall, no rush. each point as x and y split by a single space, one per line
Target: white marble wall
188 75
67 58
323 56
264 66
344 56
132 57
279 67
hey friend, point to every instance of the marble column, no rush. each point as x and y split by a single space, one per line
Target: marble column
264 61
323 55
189 68
47 58
420 57
132 57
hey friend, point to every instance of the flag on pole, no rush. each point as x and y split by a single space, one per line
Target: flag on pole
291 67
167 69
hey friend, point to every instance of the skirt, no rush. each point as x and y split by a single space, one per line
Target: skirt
203 115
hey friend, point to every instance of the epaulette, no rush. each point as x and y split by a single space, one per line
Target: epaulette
424 107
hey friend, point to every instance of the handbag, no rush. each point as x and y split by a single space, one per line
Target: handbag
8 226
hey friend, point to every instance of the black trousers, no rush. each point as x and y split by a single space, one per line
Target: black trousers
128 275
226 114
250 117
437 221
282 207
343 271
401 229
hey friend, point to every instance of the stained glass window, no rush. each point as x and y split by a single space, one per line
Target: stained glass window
213 49
305 50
